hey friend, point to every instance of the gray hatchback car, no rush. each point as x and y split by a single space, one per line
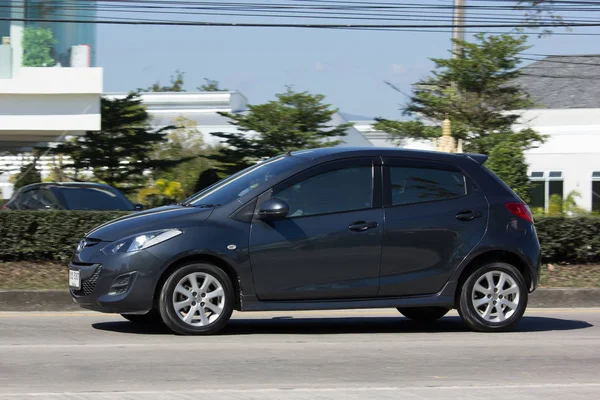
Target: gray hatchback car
333 228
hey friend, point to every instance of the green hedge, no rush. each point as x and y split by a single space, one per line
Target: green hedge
42 236
574 240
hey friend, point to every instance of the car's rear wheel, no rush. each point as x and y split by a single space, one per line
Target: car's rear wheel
197 299
424 314
493 298
150 318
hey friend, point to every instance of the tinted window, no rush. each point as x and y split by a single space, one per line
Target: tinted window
596 196
91 198
243 182
31 200
414 185
537 192
333 191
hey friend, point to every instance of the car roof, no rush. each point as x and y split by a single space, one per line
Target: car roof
329 152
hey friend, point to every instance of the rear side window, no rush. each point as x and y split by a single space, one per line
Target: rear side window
416 185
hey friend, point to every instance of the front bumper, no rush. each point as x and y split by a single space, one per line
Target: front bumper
117 283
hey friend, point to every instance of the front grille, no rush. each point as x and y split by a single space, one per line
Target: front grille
88 285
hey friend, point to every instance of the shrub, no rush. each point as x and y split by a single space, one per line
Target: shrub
43 236
569 240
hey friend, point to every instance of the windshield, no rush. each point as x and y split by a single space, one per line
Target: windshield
243 182
91 198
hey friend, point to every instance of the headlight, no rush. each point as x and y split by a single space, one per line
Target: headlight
140 241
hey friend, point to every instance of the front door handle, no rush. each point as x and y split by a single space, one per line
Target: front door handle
468 215
362 225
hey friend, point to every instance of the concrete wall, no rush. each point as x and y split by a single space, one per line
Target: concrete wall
572 147
43 101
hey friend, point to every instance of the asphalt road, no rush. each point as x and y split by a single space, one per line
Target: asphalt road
366 354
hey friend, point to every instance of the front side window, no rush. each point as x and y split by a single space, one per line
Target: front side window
416 185
339 190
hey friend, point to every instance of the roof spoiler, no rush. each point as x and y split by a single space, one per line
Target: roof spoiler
479 158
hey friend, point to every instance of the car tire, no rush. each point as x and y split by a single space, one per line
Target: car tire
200 309
493 298
150 318
423 314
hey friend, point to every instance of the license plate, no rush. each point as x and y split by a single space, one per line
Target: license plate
74 279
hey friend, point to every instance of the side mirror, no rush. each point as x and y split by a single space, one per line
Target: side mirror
139 207
273 208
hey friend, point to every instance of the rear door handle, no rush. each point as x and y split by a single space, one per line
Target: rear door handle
362 225
468 215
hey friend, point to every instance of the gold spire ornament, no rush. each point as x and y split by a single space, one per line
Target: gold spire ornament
447 143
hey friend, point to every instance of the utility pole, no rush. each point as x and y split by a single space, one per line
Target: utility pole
447 143
458 32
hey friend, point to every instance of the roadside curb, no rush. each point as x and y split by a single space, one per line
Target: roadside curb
60 300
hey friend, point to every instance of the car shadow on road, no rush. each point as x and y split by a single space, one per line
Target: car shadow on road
348 325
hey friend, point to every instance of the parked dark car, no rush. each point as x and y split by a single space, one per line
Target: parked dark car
335 228
69 196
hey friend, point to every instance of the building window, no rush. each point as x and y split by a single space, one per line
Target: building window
543 186
596 191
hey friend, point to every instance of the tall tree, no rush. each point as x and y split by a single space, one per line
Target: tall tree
210 86
476 92
121 152
295 121
37 46
184 142
27 175
508 162
176 84
540 12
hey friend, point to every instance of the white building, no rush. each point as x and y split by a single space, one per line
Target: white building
203 108
43 104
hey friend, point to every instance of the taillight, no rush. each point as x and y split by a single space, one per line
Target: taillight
520 210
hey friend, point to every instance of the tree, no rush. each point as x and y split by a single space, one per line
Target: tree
508 162
184 142
475 91
121 152
538 12
27 175
295 121
37 45
175 86
210 86
162 193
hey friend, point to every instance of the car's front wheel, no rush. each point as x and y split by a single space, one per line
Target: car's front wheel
424 314
197 299
493 298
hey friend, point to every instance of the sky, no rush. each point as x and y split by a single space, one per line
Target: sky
349 67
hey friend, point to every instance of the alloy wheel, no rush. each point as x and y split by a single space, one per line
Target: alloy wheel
495 296
198 299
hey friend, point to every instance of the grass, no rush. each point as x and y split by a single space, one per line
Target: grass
24 275
33 276
571 275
